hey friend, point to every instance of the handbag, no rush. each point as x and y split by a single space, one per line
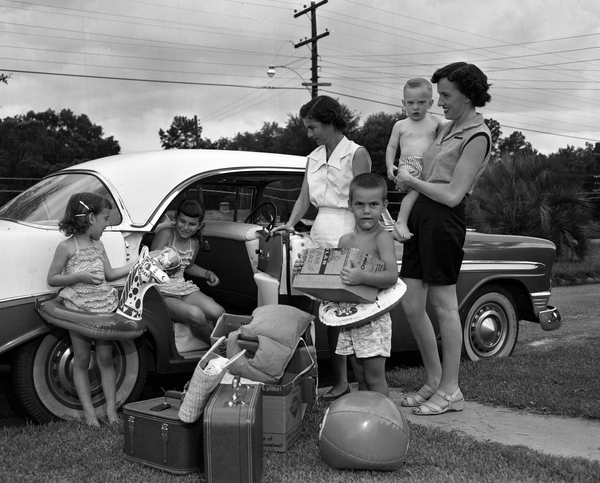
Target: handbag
208 374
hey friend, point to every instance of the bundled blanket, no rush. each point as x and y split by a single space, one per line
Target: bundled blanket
277 329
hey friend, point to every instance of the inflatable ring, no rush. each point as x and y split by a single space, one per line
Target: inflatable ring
111 326
126 323
345 314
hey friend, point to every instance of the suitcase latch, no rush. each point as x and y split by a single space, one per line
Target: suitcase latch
236 400
164 429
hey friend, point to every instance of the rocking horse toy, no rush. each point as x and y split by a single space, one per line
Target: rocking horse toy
126 322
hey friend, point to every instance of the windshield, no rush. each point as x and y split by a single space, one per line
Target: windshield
45 203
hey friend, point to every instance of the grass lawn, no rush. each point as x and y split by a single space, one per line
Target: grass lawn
537 377
569 272
554 376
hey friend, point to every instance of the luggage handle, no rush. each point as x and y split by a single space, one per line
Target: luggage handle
235 397
213 348
308 368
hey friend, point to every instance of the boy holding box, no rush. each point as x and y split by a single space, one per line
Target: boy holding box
368 345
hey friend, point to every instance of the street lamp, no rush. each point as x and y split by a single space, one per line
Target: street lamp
271 73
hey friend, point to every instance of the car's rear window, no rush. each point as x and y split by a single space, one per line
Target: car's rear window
45 202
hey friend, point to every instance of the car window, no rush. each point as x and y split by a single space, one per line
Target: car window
45 202
227 202
283 194
232 197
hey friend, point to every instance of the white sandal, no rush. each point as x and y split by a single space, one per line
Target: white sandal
455 402
417 399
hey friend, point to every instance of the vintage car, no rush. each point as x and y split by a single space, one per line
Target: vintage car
504 279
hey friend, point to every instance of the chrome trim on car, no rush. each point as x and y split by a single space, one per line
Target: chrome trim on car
540 300
486 266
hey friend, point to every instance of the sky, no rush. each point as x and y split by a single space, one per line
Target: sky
132 66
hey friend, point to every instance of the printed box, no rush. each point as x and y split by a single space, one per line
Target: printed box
320 275
284 404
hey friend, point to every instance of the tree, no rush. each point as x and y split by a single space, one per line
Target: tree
261 141
374 136
184 133
496 132
35 144
520 194
514 143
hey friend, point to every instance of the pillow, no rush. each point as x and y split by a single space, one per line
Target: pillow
278 329
282 323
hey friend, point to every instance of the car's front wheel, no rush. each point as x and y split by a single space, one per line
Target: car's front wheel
43 376
490 324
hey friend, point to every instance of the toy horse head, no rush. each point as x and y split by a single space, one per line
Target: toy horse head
145 273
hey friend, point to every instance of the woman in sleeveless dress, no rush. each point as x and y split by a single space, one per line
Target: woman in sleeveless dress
329 170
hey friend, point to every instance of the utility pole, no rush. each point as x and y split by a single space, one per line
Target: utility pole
313 41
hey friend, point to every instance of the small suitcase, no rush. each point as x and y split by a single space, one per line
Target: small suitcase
155 436
233 434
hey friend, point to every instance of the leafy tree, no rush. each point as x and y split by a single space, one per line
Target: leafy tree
513 143
261 141
293 138
35 144
494 127
184 133
521 195
374 136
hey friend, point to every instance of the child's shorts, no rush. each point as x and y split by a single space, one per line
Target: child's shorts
368 340
414 165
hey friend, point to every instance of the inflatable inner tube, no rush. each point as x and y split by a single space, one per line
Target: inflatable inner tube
345 314
112 326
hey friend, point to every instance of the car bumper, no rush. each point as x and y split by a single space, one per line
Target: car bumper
548 315
550 318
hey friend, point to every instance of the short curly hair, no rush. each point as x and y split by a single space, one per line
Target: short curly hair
326 110
469 80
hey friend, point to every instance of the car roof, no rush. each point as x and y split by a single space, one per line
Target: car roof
143 180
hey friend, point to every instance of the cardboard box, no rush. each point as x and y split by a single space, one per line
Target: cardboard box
227 323
320 275
284 405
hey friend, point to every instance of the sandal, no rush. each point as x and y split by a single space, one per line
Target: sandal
418 399
455 402
330 397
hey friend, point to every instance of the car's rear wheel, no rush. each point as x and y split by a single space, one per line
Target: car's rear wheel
490 324
43 376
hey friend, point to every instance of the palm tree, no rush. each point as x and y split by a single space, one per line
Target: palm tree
520 194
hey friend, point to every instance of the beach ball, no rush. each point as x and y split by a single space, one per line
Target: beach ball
168 259
364 430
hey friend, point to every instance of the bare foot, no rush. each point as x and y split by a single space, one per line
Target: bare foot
401 232
113 418
93 422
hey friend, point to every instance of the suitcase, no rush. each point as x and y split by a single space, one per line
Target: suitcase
155 436
233 434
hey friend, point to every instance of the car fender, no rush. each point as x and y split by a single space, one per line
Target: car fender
20 323
466 287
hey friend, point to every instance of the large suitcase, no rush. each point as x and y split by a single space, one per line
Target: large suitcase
233 434
155 436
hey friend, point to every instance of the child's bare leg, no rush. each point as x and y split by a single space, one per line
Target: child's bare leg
374 371
82 351
190 315
401 232
359 373
106 364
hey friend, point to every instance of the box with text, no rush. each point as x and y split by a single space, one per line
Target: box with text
320 274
